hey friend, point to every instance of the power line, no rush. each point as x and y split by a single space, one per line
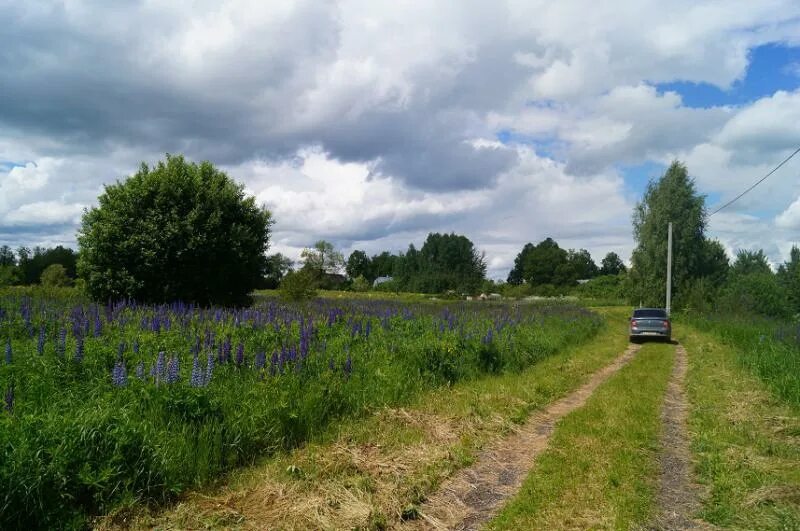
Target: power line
776 168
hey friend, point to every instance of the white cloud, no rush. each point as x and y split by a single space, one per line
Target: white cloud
371 123
789 218
45 213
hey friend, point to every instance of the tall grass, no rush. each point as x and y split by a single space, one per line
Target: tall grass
769 348
95 417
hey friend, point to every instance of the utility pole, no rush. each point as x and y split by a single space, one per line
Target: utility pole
669 268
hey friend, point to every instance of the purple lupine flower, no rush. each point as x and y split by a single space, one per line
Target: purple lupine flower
160 368
140 370
368 328
261 359
9 399
239 354
61 344
78 349
136 346
226 350
119 375
331 365
196 378
8 351
209 368
120 350
348 366
98 326
273 363
40 343
173 370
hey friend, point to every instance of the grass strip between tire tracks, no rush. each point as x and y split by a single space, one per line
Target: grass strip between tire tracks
602 463
373 472
745 440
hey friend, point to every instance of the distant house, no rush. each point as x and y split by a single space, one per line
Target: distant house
583 280
380 280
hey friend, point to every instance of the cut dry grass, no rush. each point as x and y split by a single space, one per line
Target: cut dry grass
373 472
602 464
745 441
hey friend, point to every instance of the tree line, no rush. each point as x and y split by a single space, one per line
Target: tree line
186 231
54 266
704 279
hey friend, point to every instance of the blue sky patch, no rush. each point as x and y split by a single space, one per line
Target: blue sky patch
638 175
548 146
772 67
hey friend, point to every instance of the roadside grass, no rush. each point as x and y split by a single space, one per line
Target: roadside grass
373 472
601 465
745 440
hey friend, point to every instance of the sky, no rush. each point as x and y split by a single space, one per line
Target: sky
372 123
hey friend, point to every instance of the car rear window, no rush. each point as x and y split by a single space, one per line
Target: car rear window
650 313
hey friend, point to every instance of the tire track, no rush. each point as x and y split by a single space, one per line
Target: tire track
677 496
475 494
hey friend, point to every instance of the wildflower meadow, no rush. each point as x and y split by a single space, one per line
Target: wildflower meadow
109 405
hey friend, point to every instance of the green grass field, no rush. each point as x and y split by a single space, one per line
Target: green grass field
599 469
351 411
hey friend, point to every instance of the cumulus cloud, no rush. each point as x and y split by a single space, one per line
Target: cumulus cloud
313 196
790 218
45 213
371 123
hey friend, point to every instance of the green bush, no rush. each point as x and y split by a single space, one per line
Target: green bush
360 284
758 293
178 231
55 276
298 286
606 287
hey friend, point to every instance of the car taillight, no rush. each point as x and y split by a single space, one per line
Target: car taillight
666 323
634 323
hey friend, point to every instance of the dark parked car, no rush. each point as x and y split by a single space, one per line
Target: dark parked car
650 323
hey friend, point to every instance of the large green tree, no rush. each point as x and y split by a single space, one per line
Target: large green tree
672 198
612 264
359 265
447 262
544 263
580 266
517 274
322 259
383 265
7 257
177 231
748 262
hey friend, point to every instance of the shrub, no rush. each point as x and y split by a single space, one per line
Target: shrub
55 276
178 231
360 284
758 293
298 286
605 287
